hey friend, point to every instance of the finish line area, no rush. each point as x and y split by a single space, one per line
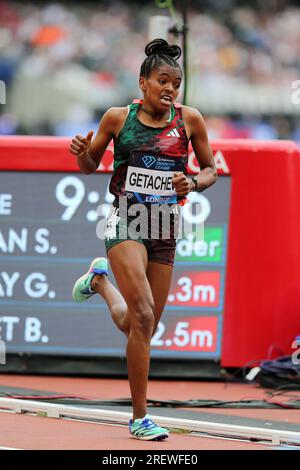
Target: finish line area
28 422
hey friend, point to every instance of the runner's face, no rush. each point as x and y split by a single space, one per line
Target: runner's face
161 88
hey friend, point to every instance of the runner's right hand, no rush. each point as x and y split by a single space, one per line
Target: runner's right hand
80 145
181 184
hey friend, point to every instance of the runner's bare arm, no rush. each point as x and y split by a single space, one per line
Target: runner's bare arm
90 152
196 130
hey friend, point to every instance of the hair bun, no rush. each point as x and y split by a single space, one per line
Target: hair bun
161 47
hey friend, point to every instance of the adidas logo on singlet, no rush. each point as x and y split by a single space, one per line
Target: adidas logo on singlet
173 133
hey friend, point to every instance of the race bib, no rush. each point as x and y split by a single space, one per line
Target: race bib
149 178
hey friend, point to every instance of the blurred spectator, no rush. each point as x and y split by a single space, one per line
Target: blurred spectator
56 55
263 129
8 124
78 120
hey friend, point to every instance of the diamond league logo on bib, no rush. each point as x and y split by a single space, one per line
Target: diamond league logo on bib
149 160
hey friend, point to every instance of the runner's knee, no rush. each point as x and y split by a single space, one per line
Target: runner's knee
140 301
142 321
142 313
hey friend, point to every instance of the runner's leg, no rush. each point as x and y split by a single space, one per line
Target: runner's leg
159 276
115 302
129 263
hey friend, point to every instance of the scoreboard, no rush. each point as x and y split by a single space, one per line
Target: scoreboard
48 236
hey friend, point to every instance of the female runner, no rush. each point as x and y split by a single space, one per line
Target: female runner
151 138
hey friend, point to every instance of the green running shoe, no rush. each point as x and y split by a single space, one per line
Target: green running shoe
82 288
146 430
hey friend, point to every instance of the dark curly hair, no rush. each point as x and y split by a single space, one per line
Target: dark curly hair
159 52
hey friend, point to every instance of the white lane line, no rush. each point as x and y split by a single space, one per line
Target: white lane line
9 448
